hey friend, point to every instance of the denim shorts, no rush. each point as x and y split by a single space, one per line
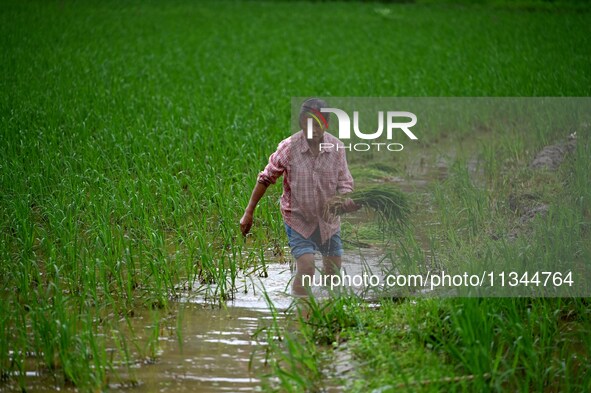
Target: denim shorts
300 245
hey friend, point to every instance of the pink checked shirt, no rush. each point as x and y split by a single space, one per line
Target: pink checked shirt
308 183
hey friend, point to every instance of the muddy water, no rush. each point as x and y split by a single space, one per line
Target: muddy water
220 350
216 352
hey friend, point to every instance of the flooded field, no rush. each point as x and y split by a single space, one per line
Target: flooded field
207 346
221 350
132 133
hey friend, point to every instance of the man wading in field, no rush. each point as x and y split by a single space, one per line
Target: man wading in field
311 177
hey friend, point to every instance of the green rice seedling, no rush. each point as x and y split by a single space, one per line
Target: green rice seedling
297 357
97 354
389 203
232 276
274 332
262 261
4 348
191 268
222 292
327 318
151 347
292 355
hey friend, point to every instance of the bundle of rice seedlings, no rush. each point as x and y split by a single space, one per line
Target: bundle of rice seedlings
389 203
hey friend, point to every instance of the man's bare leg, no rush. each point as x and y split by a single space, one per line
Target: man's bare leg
331 266
304 267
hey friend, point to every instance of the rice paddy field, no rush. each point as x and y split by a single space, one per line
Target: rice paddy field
131 135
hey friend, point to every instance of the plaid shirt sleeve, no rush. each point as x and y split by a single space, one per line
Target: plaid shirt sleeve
277 164
345 180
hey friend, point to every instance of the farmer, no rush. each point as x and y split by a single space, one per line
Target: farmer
312 175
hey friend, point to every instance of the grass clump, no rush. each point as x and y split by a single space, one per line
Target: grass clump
386 201
300 356
473 345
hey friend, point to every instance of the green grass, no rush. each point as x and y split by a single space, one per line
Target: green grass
519 344
473 345
483 344
131 135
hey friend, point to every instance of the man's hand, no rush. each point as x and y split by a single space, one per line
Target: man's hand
246 223
246 220
350 206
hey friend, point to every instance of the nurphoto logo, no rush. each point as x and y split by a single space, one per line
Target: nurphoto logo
394 127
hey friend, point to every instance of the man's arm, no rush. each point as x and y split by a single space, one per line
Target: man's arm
274 169
246 220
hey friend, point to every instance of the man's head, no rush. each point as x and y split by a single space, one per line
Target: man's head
310 109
